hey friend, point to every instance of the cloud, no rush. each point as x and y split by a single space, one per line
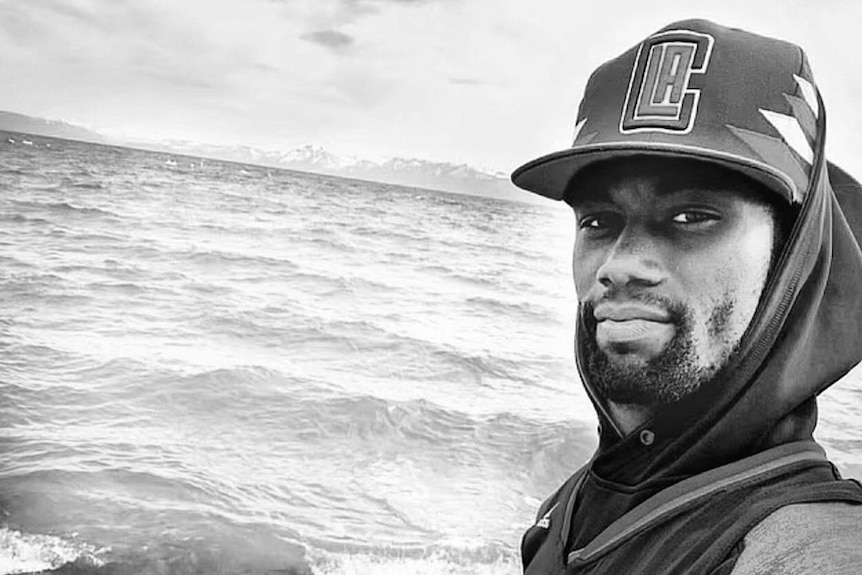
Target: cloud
327 14
332 39
466 81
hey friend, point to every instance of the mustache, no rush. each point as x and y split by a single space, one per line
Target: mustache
677 312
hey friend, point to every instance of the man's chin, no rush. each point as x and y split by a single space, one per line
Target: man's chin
626 359
641 375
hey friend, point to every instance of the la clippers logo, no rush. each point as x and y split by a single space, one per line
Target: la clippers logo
661 96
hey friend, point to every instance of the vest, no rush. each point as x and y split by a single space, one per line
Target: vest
695 526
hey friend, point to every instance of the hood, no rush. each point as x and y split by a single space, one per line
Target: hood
805 336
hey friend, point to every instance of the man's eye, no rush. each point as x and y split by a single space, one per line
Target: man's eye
597 222
590 222
694 217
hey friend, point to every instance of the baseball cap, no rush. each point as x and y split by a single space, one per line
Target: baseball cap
697 90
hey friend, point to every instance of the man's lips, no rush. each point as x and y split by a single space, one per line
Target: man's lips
629 311
632 328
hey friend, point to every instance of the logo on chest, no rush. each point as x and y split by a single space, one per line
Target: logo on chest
662 94
545 521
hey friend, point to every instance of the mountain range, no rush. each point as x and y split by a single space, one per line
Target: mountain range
411 172
13 122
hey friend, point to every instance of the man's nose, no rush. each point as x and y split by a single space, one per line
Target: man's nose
633 261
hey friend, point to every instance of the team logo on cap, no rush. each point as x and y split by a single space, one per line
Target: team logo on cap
661 94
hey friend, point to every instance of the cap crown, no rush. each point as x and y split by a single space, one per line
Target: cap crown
697 89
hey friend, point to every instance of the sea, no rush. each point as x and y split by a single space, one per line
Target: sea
216 368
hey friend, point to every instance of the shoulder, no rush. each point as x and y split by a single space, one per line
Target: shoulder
802 539
563 493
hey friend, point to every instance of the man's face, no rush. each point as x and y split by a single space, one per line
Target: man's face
670 260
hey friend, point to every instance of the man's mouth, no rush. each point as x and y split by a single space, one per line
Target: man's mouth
629 311
632 327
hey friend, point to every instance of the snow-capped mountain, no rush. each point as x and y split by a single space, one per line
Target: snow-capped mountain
412 172
318 157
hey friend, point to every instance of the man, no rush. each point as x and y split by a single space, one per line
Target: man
719 277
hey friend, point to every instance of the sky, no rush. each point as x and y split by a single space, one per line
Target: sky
492 83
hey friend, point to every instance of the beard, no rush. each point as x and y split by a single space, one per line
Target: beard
673 374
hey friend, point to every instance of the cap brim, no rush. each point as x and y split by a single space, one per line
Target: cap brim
549 176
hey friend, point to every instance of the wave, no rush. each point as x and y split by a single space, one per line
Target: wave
29 553
111 268
398 564
448 360
322 409
371 231
102 238
294 334
503 250
319 410
22 219
43 293
85 185
326 239
196 557
321 283
521 309
25 553
7 262
127 288
14 172
491 274
65 208
30 280
220 258
485 280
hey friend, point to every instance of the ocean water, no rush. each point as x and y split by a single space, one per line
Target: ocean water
219 368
